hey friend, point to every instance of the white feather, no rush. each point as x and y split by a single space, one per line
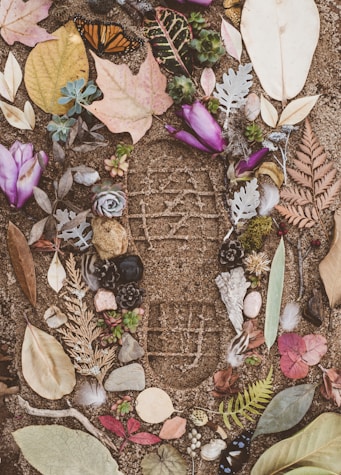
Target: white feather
269 199
90 394
238 346
290 317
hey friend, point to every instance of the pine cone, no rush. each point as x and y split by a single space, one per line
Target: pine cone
129 296
107 274
231 254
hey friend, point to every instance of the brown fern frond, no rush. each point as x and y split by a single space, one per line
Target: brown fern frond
315 179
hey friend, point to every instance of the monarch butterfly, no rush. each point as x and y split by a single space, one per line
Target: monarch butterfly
106 37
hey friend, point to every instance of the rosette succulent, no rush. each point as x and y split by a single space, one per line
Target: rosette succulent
109 200
208 47
20 171
181 89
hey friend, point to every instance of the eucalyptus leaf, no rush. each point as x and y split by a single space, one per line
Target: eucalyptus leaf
56 450
311 471
286 409
317 445
274 295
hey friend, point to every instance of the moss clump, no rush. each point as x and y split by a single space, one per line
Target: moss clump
257 230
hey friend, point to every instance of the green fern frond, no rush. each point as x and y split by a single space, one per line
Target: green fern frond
252 402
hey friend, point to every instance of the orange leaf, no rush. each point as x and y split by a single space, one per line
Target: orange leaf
22 262
129 101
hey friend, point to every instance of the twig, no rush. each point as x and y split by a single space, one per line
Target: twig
57 413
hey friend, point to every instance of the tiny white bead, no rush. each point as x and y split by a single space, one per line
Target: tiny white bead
194 440
198 436
194 431
190 435
189 450
193 446
198 444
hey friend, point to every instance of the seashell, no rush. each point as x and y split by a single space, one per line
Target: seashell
213 449
252 304
199 417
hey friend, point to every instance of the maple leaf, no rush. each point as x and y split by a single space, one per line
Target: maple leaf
129 101
18 21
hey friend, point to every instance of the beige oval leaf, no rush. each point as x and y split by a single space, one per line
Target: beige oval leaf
15 117
51 64
11 78
268 112
232 39
46 367
252 107
54 317
297 110
153 405
56 274
29 114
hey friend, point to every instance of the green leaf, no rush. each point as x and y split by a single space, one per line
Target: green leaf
167 461
286 409
317 445
56 450
274 296
311 471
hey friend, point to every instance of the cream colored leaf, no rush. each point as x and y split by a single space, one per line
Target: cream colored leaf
11 78
232 40
297 110
153 405
29 114
252 107
54 317
46 367
281 37
268 112
51 64
56 274
15 117
208 81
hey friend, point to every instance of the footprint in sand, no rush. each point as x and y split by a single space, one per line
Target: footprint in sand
177 226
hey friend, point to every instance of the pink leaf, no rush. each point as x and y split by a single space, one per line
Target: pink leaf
208 81
129 101
291 342
113 424
293 367
144 438
232 40
173 428
124 443
133 425
316 348
18 21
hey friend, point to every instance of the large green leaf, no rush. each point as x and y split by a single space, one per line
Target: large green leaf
274 295
56 450
169 34
286 409
317 445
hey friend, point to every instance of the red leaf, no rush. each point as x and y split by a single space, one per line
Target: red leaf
124 443
316 348
292 366
291 342
113 424
144 438
133 425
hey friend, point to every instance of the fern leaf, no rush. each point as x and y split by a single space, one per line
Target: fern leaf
297 195
300 178
325 200
255 397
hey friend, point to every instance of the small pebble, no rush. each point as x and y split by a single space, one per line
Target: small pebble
104 300
110 238
252 304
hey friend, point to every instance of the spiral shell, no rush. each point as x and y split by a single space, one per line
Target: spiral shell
213 449
199 417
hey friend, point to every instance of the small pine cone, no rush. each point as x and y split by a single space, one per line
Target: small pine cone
107 274
231 254
129 296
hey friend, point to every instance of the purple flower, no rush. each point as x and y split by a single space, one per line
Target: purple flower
244 167
202 3
20 171
205 134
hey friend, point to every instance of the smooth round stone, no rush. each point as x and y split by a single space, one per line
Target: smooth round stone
130 350
252 304
130 268
127 378
109 237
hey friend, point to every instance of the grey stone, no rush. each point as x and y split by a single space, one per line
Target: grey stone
129 377
130 350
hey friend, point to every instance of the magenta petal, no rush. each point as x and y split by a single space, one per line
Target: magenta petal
21 152
29 177
243 167
188 138
8 175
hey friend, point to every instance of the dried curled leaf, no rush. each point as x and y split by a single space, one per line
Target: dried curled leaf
45 365
316 188
22 262
167 461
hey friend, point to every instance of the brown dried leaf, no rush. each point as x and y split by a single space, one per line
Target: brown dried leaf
22 262
65 184
223 382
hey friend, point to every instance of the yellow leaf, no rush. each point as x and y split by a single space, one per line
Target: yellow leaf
15 117
273 171
46 367
268 112
51 64
297 110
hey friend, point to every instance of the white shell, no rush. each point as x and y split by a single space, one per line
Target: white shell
212 450
252 304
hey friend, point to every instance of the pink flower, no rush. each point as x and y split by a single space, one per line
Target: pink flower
20 171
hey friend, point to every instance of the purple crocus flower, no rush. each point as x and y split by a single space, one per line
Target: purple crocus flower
205 134
245 166
201 3
20 171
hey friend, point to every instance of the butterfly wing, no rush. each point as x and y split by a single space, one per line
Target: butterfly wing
235 455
